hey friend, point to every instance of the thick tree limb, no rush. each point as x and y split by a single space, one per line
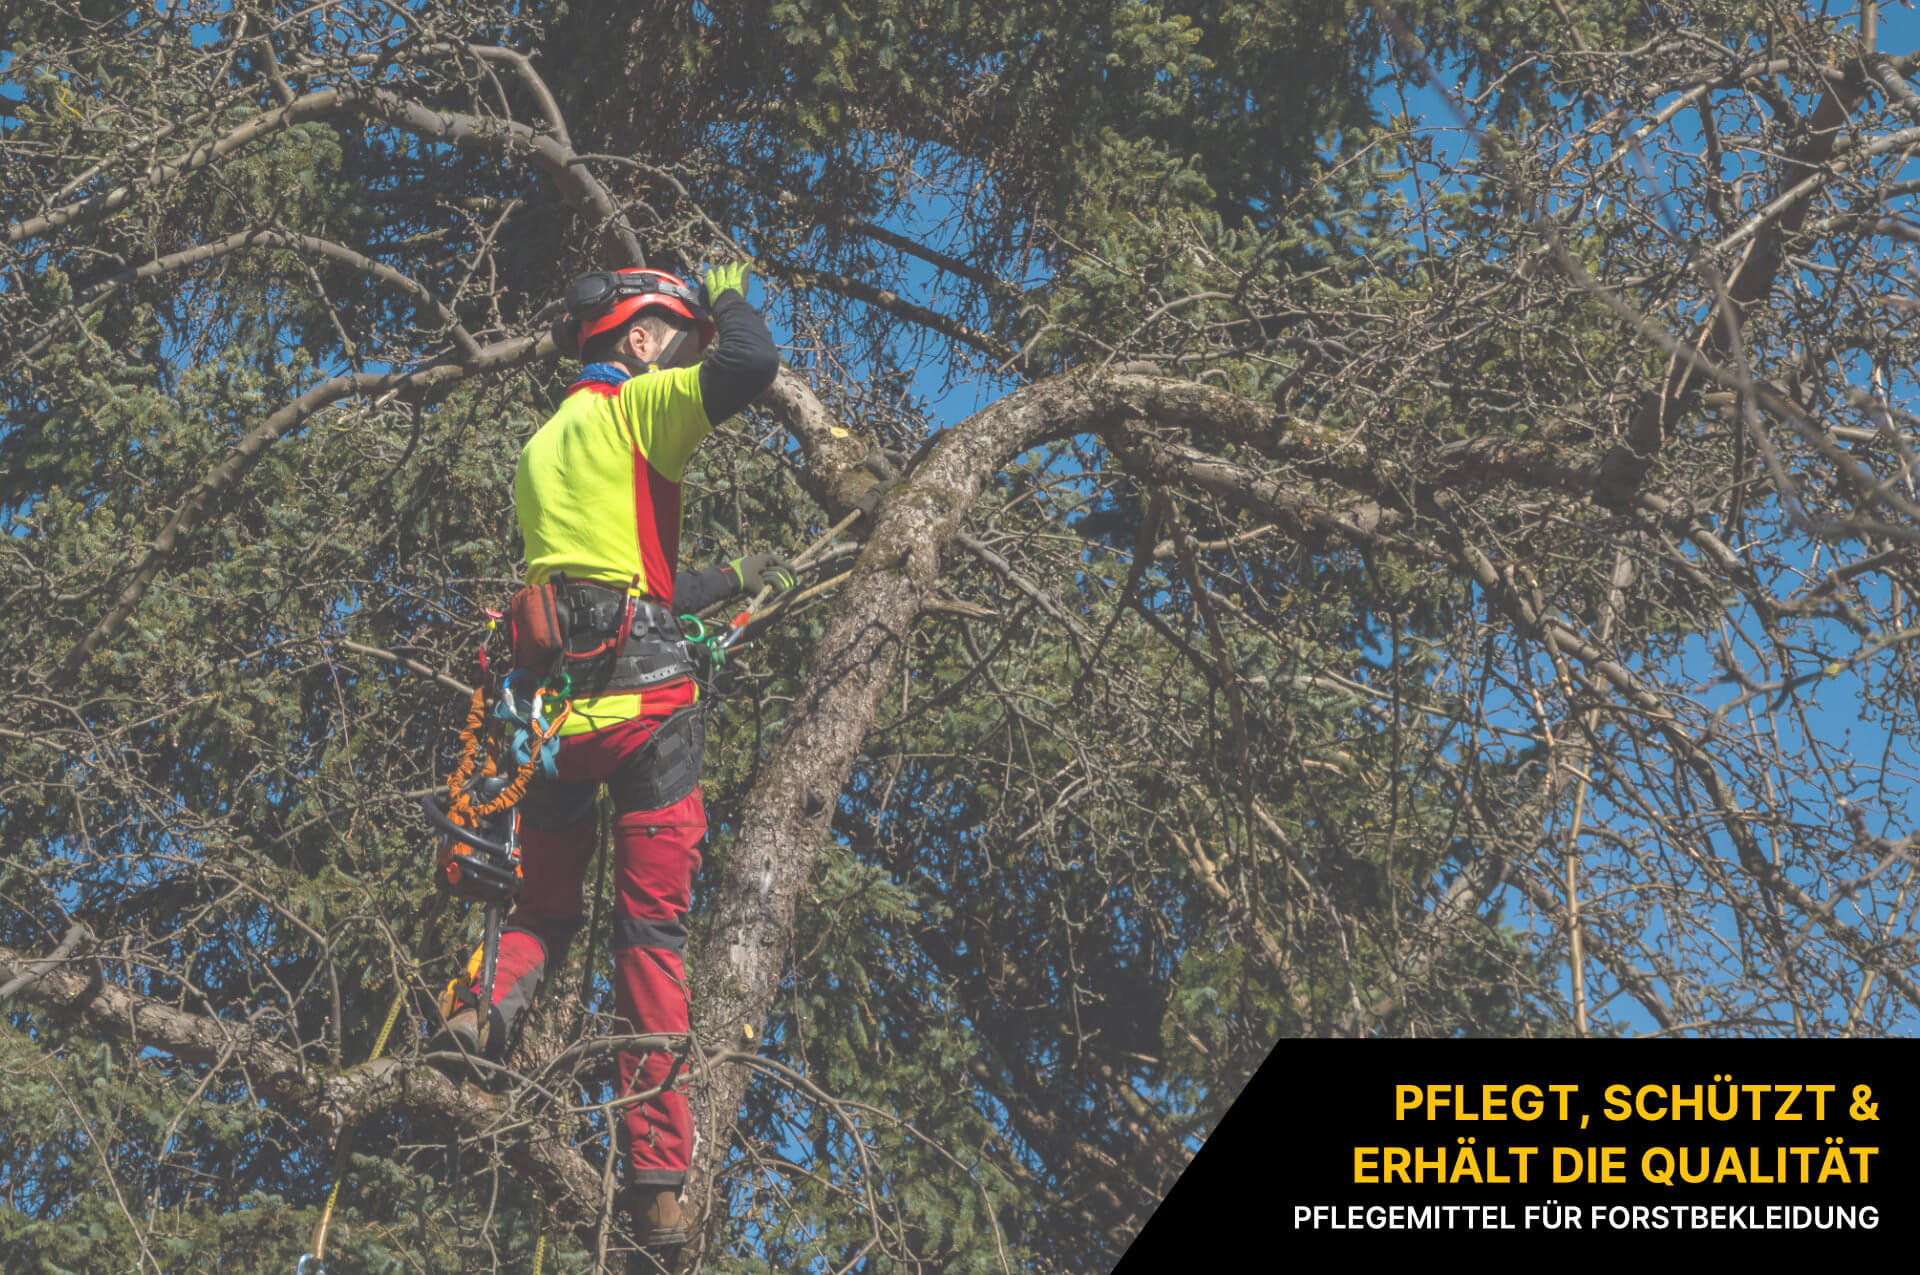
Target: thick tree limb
785 821
833 452
564 1180
550 155
76 937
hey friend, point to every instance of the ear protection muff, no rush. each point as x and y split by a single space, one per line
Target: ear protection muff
593 294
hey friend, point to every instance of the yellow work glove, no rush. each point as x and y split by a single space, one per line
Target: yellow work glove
728 277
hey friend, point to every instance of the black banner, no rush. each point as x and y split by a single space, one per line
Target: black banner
1387 1146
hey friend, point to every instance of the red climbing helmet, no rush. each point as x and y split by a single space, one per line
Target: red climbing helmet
603 300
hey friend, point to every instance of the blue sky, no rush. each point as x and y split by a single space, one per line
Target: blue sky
1874 765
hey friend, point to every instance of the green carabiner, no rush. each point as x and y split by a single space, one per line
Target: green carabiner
700 629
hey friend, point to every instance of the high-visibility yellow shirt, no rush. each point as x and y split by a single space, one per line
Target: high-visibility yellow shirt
597 493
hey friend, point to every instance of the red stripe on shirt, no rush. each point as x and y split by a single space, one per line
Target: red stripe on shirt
656 525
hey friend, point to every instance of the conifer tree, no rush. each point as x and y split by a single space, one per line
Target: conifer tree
1404 529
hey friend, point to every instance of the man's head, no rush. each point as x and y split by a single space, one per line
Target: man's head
648 340
637 317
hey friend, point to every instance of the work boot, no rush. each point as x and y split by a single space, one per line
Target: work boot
654 1214
462 1034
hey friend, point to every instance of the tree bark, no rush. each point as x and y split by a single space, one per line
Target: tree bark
785 821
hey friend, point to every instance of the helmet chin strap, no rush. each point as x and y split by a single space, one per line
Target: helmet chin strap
670 357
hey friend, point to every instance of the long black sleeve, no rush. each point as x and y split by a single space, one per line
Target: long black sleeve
742 362
697 590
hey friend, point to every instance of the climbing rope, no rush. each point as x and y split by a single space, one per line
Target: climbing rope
314 1262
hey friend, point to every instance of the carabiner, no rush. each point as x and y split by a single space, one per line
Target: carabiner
493 625
508 699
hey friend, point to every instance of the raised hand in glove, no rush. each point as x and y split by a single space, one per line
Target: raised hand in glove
729 277
763 570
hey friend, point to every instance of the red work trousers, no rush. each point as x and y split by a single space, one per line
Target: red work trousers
656 852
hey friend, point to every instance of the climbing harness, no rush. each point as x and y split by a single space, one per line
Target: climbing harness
619 641
601 639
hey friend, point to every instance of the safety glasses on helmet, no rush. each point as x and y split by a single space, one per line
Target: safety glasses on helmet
603 300
594 293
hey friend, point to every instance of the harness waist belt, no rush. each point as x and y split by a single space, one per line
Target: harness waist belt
654 650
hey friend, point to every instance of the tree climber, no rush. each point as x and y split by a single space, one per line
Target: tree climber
597 494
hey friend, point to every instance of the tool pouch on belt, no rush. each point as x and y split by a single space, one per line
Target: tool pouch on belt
604 639
538 626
